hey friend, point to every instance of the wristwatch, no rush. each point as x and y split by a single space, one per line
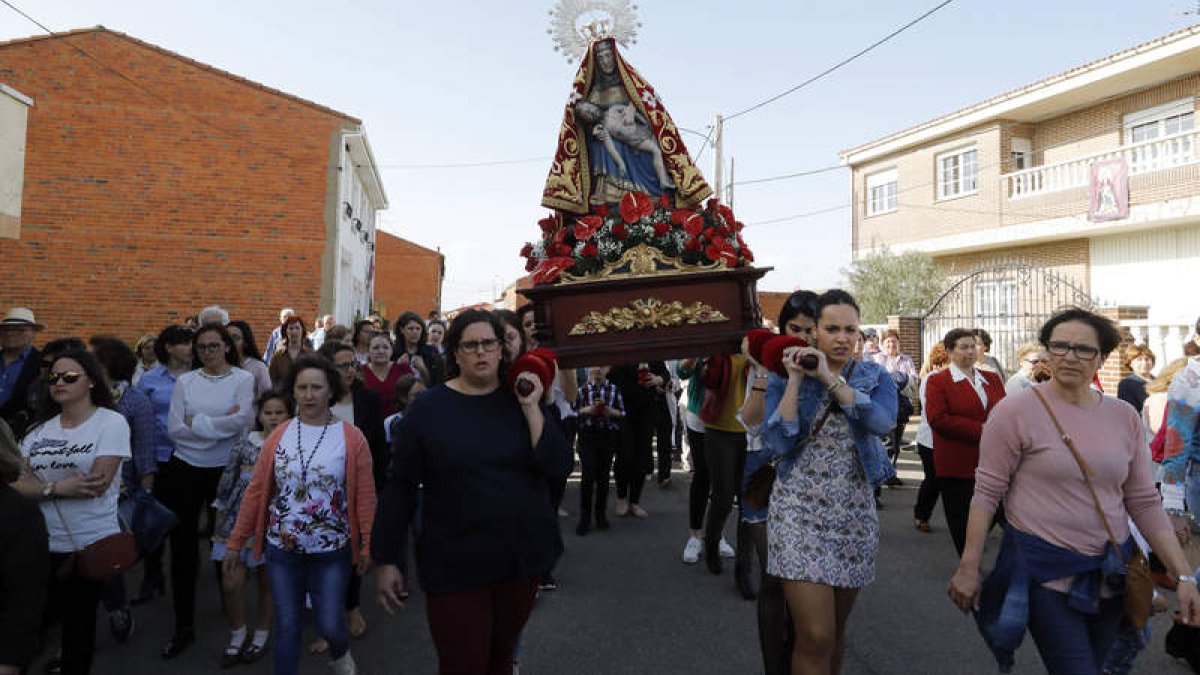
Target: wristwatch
1186 579
48 490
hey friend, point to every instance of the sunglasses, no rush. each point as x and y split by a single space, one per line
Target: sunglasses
487 345
69 377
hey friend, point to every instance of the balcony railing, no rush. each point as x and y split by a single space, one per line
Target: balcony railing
1154 155
1165 339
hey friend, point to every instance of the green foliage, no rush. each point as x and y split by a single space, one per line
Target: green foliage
887 283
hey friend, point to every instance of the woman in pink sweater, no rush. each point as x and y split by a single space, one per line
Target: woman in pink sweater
1058 542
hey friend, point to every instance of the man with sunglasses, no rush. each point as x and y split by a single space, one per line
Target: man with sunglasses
19 367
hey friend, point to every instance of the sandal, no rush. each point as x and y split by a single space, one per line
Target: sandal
253 652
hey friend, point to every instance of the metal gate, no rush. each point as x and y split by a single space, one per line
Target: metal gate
1010 299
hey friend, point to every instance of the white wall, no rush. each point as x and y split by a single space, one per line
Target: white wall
353 292
13 115
1159 268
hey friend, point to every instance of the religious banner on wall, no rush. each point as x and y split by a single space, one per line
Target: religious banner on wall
1109 193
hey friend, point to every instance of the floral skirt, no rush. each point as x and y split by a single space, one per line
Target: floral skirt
822 526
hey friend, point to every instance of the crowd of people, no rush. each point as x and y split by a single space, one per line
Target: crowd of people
326 455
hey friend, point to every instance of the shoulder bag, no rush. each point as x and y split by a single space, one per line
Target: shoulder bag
760 483
1139 585
99 560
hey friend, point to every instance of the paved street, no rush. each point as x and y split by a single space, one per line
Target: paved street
628 605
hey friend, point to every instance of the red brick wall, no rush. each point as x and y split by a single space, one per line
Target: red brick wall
140 208
407 277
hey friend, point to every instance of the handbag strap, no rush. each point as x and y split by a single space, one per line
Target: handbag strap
1083 467
74 546
833 404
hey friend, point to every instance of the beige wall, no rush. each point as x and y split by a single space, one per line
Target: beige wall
1069 258
13 114
1080 133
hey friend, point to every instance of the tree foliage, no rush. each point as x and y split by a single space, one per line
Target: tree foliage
887 283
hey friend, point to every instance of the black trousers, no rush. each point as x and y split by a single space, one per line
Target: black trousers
596 450
72 602
558 486
725 453
663 446
633 456
927 496
698 494
956 503
187 490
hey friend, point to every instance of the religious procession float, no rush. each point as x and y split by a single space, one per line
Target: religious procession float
637 259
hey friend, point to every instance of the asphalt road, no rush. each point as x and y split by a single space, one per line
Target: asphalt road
627 604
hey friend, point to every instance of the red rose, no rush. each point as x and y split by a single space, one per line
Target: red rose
694 224
526 250
680 216
726 214
664 200
661 229
530 264
587 226
747 255
719 242
589 250
619 232
710 232
692 244
563 249
723 253
635 206
550 269
549 223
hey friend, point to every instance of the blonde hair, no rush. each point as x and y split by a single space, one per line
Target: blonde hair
1027 349
1161 383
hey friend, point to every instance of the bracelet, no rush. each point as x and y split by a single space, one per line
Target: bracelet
758 388
836 383
1186 579
762 376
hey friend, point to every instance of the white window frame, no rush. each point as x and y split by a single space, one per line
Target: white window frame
996 307
1021 154
882 192
1158 115
963 184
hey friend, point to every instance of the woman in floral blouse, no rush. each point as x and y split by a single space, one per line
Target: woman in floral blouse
310 506
273 409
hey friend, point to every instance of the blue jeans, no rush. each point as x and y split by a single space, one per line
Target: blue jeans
1128 644
1071 642
324 577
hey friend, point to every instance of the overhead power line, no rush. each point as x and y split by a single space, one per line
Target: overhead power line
462 165
798 174
839 64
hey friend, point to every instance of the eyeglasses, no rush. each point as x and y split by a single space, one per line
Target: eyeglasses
487 345
209 346
352 365
1084 352
70 377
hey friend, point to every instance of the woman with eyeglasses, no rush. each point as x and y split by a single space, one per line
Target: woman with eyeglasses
72 452
1056 564
1033 363
247 352
211 408
824 425
293 344
309 507
358 405
487 531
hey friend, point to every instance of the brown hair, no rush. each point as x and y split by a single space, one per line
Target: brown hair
938 358
1136 351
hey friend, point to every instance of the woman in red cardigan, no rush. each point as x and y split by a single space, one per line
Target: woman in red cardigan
958 401
311 505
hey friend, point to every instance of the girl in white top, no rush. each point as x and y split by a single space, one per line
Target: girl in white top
72 453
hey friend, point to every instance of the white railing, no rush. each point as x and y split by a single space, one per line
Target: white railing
1144 157
1166 340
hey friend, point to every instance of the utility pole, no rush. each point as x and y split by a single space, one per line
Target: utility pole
732 182
719 152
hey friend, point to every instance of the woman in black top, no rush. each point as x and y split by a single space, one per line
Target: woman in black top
487 532
1132 389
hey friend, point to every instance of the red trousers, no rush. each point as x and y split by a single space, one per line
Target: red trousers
475 630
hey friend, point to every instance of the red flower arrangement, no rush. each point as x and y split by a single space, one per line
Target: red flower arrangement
703 236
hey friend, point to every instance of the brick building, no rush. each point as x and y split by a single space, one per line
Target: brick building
155 185
1017 179
407 277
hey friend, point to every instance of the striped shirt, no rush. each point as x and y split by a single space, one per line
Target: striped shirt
605 391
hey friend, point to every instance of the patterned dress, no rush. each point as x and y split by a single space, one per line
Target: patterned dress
822 526
234 480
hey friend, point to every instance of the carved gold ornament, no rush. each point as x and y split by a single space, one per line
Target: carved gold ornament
642 261
647 314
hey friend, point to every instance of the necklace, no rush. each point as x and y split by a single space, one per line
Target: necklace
306 462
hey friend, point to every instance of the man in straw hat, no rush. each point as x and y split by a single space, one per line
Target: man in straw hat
19 366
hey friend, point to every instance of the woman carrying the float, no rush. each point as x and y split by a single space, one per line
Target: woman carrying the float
824 425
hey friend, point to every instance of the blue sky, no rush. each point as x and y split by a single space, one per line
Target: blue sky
458 82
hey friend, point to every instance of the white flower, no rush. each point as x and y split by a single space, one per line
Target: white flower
649 99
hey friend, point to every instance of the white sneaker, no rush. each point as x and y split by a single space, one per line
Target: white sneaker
725 549
691 552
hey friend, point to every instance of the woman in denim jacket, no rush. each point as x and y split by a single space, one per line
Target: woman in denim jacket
824 427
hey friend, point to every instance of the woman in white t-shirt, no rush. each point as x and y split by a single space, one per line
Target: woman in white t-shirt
211 407
72 452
